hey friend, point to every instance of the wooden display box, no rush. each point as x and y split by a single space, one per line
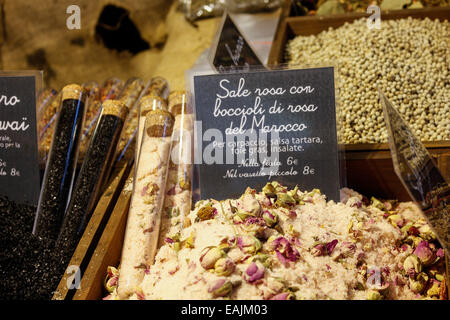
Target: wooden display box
369 166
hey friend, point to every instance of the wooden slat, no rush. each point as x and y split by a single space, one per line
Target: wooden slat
93 230
108 250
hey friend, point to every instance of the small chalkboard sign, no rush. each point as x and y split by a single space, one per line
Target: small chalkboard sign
418 173
19 171
266 126
231 52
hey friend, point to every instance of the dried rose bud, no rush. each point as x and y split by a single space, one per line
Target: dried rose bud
248 244
249 205
285 200
319 250
435 289
112 272
111 279
414 241
424 253
374 295
282 296
263 258
396 220
255 271
426 233
270 218
418 285
376 281
331 245
284 250
111 284
294 194
269 190
221 288
266 202
207 212
224 266
412 265
377 204
209 257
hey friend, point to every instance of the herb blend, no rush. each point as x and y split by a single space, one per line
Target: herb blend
61 164
144 216
93 175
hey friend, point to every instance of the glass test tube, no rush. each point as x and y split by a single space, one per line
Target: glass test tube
61 163
130 96
146 104
158 87
144 216
93 174
178 199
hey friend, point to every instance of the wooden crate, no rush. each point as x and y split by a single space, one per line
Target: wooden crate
290 27
369 166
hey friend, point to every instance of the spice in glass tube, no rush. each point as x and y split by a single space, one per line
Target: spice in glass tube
144 217
93 174
61 164
178 199
146 104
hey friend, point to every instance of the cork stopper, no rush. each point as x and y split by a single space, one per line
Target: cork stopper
115 108
73 91
159 123
177 101
151 102
158 86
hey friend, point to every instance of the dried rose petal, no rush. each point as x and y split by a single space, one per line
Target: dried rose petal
255 220
331 245
140 295
254 272
280 296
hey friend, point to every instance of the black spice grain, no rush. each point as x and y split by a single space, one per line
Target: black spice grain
59 172
28 269
93 175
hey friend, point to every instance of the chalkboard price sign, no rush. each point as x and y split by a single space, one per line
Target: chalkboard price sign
19 171
232 52
266 126
418 173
